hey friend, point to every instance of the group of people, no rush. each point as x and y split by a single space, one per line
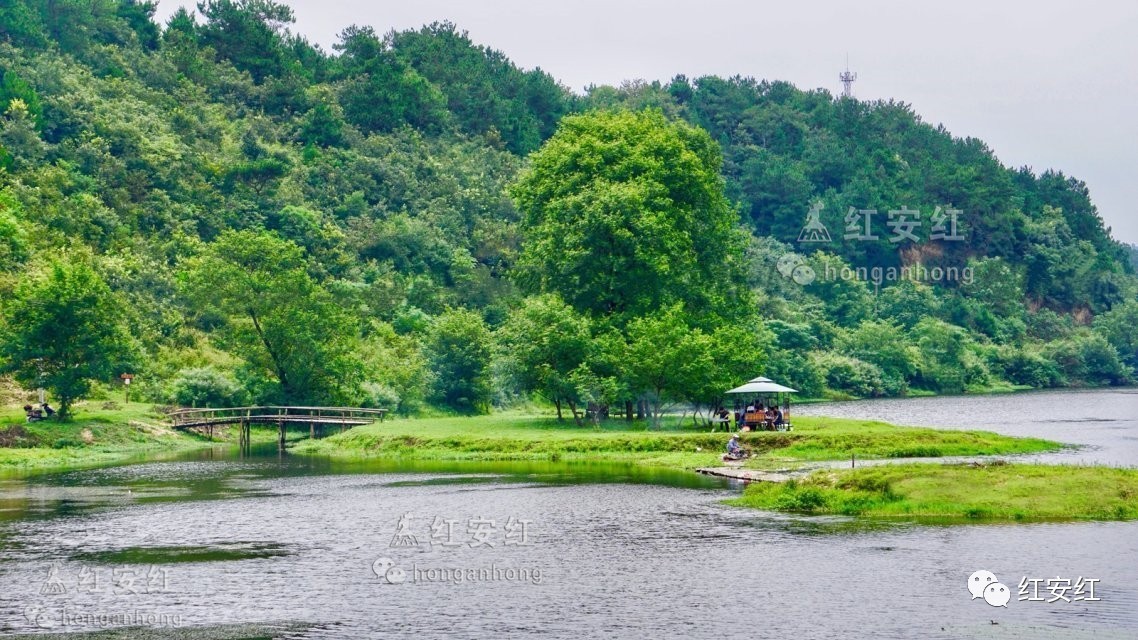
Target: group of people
770 417
755 415
772 413
38 413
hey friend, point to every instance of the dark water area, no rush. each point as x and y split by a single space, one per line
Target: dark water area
213 546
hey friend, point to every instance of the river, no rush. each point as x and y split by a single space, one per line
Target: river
1101 423
212 546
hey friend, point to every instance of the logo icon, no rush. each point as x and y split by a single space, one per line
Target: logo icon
403 536
385 569
53 585
793 266
997 595
814 230
37 617
985 584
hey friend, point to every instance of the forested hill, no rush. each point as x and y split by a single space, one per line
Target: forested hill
374 182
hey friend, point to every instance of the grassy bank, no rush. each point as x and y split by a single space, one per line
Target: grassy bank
515 436
957 492
99 433
108 434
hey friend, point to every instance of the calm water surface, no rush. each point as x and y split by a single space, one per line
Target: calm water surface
272 547
1103 423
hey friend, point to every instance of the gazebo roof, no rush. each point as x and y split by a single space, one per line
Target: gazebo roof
762 385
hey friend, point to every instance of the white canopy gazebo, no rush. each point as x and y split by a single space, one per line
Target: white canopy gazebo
763 387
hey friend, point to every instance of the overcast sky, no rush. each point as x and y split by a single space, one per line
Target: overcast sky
1046 84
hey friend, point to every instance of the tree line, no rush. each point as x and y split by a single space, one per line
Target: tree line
411 220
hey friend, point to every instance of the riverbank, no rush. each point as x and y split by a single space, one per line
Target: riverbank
519 436
113 434
957 492
100 433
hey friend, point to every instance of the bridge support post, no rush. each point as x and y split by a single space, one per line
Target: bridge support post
243 437
281 436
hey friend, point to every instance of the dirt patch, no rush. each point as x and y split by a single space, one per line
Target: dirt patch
15 436
150 428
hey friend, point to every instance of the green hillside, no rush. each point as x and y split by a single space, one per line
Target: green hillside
234 215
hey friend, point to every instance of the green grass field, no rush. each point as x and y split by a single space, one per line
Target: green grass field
521 436
107 432
957 492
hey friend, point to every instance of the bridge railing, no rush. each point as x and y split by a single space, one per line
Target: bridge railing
192 416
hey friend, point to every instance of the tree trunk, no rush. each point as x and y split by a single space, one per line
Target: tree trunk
557 403
628 410
576 416
277 364
64 412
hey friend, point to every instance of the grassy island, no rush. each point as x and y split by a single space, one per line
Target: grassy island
519 436
957 492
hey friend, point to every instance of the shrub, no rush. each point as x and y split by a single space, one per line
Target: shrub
380 396
206 387
1088 359
807 500
843 373
1027 367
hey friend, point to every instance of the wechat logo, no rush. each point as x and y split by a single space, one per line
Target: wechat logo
38 617
385 569
984 584
793 266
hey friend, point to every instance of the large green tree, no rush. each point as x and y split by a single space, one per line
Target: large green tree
248 33
64 331
460 349
281 321
544 342
624 213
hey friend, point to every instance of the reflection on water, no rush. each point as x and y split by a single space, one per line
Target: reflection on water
288 548
169 555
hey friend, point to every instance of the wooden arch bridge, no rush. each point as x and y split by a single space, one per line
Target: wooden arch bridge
315 418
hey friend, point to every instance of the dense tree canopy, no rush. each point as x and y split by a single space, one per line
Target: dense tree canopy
65 330
402 220
624 213
285 325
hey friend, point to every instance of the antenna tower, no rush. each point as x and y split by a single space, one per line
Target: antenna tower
847 79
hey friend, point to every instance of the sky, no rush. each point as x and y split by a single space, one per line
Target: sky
1046 84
